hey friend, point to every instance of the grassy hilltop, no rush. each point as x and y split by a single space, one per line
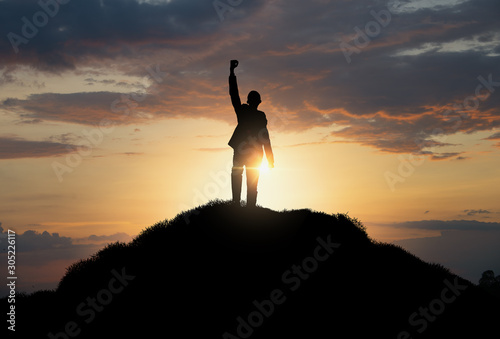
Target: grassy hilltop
220 271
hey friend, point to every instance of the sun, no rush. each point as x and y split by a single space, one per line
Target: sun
264 167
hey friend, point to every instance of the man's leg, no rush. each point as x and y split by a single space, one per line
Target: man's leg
253 171
236 178
252 181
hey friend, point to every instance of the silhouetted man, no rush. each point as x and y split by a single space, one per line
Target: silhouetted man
249 137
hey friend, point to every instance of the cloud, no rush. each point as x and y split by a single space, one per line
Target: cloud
474 212
406 86
66 138
495 136
30 121
103 239
466 252
43 257
442 225
447 155
34 241
13 147
86 108
8 77
101 29
91 81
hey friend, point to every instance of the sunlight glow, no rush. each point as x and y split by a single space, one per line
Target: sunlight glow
264 166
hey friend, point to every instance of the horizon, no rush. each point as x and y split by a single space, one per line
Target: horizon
115 114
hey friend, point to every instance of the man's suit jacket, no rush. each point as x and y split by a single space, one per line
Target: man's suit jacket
251 130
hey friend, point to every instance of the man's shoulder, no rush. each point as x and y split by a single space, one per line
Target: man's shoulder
262 115
253 113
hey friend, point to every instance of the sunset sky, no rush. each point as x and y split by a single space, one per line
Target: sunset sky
115 114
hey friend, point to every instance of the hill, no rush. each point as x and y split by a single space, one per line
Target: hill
220 271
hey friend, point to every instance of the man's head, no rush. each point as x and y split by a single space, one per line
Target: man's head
253 99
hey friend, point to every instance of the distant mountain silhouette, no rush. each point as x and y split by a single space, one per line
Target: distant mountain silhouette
221 271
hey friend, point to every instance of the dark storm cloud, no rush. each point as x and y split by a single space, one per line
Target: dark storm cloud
406 85
74 30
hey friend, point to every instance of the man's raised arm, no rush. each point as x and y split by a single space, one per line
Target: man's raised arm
233 87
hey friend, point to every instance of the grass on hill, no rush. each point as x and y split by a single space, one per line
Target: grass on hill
220 271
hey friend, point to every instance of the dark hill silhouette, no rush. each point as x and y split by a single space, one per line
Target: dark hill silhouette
221 271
